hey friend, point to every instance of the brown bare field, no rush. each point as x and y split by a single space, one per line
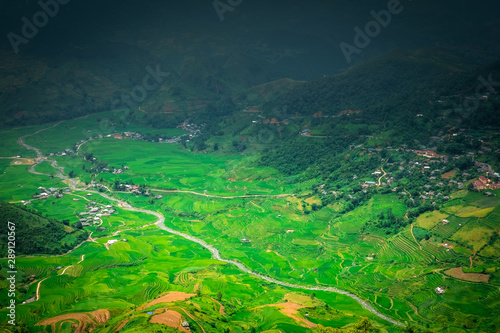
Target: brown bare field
448 175
23 161
169 318
85 321
473 277
101 316
121 325
172 296
290 310
159 310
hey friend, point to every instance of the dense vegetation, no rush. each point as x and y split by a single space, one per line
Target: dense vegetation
35 234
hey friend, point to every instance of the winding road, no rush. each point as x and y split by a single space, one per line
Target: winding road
39 156
380 179
215 253
38 288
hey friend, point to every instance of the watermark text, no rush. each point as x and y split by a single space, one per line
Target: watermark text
30 28
11 264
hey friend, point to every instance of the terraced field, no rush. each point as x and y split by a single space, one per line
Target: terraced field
253 219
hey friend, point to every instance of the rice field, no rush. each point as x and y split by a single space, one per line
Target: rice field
271 235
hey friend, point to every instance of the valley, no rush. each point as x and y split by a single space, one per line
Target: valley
214 223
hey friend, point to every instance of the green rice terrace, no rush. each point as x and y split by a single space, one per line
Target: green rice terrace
155 237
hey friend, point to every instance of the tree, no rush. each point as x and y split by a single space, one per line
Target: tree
88 156
72 174
219 296
323 329
365 326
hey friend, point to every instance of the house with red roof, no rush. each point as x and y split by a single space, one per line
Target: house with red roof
484 180
479 185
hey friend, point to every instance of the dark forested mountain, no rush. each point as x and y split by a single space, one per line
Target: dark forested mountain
90 56
394 85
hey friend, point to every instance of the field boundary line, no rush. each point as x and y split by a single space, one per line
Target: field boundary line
411 229
190 316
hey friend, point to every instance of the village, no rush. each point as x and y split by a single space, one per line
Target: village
439 170
421 177
192 130
46 193
436 172
93 213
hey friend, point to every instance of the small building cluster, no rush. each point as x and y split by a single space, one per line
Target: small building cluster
174 139
484 183
368 184
116 171
113 241
45 193
63 153
429 153
94 214
440 290
124 135
306 132
193 130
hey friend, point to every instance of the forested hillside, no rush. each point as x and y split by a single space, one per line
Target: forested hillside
35 234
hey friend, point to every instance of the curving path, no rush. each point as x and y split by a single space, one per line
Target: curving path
38 288
415 238
380 179
215 253
64 270
40 157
